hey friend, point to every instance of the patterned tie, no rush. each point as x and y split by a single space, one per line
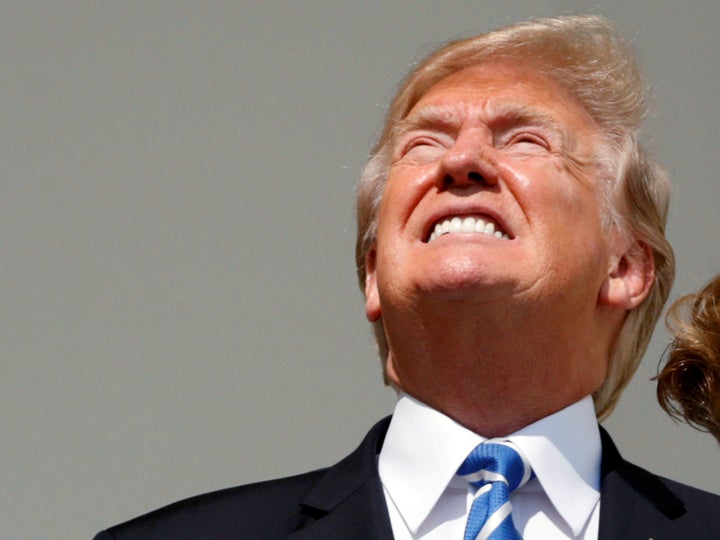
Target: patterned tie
495 469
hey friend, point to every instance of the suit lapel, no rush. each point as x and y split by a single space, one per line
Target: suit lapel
348 502
634 503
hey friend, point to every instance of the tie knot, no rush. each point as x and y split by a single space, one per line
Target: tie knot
496 462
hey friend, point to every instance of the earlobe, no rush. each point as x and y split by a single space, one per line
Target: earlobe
629 278
372 298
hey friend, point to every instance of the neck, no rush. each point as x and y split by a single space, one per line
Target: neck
499 374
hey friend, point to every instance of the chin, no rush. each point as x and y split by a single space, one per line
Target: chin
462 285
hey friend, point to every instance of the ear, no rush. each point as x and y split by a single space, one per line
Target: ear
630 277
372 297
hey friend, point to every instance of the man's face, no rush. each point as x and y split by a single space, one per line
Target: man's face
492 196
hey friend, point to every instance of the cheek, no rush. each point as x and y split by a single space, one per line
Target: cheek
551 193
520 172
564 214
404 191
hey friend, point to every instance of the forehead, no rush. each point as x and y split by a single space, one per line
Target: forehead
495 90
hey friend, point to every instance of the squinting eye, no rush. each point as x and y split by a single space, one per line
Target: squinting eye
421 150
416 144
527 139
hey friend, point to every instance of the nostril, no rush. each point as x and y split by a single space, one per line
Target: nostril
476 177
472 177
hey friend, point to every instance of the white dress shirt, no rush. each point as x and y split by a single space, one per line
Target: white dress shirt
426 500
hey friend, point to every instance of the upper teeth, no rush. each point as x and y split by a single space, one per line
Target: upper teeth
466 224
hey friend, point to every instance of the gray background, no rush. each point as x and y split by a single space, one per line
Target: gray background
179 307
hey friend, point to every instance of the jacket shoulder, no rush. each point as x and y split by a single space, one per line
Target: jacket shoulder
701 506
343 501
248 511
639 504
684 512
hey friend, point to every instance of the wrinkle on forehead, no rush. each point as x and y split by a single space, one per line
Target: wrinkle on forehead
490 110
497 92
499 117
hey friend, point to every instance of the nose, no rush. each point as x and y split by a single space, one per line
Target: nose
469 161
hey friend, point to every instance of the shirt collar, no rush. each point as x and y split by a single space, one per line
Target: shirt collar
424 448
422 451
565 452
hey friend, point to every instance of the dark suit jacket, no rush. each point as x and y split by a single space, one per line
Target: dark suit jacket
346 502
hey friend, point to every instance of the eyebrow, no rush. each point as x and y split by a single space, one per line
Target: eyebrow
429 117
526 116
441 118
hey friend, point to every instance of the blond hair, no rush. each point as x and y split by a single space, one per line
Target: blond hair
689 384
585 55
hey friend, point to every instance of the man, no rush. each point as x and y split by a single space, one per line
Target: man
512 253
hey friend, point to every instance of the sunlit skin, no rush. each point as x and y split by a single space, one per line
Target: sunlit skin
499 332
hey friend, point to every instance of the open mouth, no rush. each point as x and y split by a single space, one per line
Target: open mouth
467 225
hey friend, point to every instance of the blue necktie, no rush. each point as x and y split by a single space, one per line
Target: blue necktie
494 469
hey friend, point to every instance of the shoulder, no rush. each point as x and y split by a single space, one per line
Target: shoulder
696 501
272 509
249 511
690 513
640 502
